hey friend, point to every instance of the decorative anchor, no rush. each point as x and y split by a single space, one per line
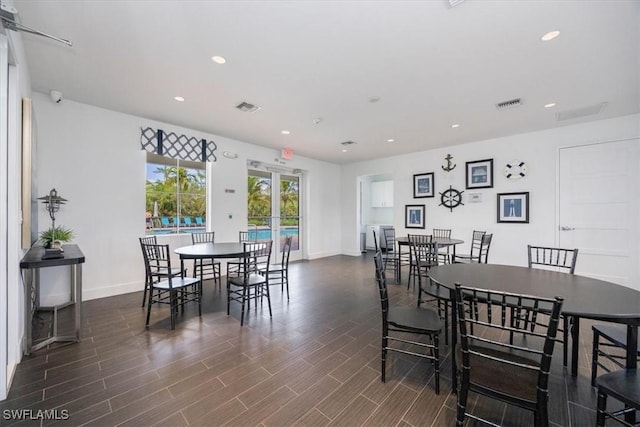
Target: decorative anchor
449 168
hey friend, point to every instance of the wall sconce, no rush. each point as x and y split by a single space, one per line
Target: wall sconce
52 204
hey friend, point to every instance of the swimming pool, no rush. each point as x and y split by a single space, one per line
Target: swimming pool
262 233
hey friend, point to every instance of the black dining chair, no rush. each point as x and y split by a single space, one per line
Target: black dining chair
445 256
153 275
407 321
234 266
415 263
390 256
209 265
172 290
555 259
623 386
252 284
610 343
478 249
488 364
279 272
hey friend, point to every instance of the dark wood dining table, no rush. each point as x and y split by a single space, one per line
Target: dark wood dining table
584 297
202 251
443 242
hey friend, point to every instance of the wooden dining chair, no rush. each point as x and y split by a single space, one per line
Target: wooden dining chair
556 259
477 250
279 271
610 344
624 386
488 364
251 284
153 275
407 322
171 290
445 256
234 266
206 265
415 241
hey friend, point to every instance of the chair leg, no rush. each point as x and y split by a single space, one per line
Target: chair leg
244 300
436 355
541 414
266 288
146 286
383 358
173 303
566 324
149 307
594 358
463 394
602 407
228 296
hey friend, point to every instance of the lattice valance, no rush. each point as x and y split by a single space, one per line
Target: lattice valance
177 146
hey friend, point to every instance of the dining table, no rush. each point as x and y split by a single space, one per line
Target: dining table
443 242
584 297
201 251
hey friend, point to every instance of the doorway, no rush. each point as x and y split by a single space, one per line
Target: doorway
274 207
598 209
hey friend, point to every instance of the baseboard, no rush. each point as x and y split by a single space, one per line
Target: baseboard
323 254
109 291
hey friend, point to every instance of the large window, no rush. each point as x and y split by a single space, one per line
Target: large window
176 197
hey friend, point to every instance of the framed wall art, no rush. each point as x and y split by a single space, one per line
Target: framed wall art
414 216
513 207
479 174
423 185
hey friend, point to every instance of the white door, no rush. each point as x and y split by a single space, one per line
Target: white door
599 215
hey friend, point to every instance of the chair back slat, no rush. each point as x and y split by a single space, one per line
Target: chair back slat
157 260
389 235
442 232
375 239
204 237
382 283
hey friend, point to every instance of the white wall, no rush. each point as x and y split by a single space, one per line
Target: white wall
92 157
538 149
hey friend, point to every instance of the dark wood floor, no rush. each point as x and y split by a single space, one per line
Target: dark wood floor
315 363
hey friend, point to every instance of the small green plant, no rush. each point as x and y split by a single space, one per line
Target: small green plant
59 233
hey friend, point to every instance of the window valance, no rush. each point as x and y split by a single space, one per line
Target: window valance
170 144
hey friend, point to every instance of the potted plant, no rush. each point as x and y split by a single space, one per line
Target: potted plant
54 236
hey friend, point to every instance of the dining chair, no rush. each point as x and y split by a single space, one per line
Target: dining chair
445 257
407 321
234 266
206 266
488 364
154 274
390 257
624 386
610 343
476 248
414 261
279 272
555 259
171 289
240 288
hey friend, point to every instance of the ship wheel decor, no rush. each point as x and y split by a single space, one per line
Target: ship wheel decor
515 170
451 198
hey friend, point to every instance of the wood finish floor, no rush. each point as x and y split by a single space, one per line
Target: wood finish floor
315 363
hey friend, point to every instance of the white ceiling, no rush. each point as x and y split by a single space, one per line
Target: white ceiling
429 64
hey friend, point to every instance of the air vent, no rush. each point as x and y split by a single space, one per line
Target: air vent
509 104
347 143
247 107
454 3
580 112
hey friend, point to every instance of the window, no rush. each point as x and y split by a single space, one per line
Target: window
176 196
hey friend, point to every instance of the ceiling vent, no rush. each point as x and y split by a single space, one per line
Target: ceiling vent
347 143
247 107
580 112
509 104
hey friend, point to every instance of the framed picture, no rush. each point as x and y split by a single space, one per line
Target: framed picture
423 185
513 207
414 216
480 174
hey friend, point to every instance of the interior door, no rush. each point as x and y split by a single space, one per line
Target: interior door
598 202
274 208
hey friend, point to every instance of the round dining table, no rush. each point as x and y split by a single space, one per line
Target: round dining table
584 297
201 251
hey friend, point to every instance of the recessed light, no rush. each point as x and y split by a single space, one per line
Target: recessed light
178 98
549 105
344 150
455 125
285 132
218 59
550 35
391 140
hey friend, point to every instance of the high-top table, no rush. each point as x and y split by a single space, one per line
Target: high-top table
31 264
584 297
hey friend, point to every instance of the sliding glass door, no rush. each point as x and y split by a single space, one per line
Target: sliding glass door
273 202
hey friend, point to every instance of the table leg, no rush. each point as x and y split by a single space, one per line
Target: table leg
76 285
632 362
28 281
399 263
575 344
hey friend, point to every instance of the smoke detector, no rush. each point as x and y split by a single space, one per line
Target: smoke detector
247 107
509 104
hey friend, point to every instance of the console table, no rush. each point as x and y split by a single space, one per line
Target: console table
31 264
